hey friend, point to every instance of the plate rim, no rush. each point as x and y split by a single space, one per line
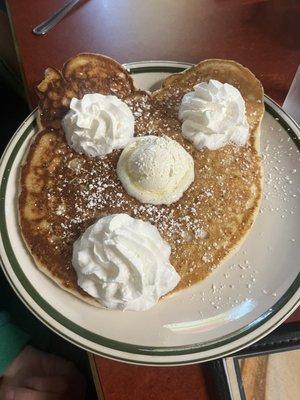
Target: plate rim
146 351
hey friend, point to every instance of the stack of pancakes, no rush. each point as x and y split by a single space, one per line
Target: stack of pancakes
63 192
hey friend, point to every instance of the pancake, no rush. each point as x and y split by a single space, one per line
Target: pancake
63 192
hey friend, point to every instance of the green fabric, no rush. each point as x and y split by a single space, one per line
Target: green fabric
40 336
12 341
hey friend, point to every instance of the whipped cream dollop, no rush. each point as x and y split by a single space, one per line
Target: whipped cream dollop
123 263
155 170
98 124
214 115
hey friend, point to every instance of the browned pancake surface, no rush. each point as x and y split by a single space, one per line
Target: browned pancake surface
86 73
63 192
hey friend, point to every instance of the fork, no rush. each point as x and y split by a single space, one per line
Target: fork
54 19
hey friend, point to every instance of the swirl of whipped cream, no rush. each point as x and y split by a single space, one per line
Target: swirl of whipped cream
123 263
98 124
214 115
155 170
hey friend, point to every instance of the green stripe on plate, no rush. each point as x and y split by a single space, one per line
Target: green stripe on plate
144 70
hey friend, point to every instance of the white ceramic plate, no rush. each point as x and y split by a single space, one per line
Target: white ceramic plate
239 303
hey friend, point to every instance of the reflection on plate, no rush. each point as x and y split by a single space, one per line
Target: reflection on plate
241 301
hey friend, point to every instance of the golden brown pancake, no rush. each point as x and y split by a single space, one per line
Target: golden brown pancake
63 192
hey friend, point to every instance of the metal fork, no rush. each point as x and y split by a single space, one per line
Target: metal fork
49 23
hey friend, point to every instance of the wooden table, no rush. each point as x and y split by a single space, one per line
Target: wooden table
262 35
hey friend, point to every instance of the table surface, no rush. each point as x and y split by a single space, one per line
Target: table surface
262 35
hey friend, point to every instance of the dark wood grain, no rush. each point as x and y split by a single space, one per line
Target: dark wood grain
123 382
295 317
262 35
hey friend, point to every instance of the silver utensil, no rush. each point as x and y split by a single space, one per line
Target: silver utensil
49 23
